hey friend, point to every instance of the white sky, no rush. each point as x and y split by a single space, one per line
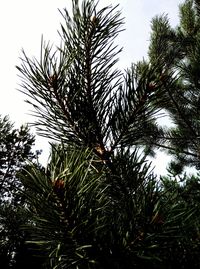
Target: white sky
22 23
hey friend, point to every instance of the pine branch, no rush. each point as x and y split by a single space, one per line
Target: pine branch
71 96
135 107
180 113
174 149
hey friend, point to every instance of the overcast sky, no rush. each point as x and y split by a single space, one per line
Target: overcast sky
22 23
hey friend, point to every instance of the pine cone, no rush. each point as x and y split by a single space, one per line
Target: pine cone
59 186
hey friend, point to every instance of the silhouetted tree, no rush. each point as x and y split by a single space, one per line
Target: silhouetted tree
15 150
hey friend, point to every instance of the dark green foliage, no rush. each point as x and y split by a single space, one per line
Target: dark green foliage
79 96
88 228
69 207
15 150
185 197
14 252
84 216
98 204
179 50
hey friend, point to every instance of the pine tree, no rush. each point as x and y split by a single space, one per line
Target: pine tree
15 150
177 53
16 147
98 204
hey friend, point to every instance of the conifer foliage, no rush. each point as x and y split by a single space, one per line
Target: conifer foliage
177 52
15 149
79 95
98 204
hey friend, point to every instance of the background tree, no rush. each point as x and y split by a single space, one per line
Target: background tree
97 204
177 53
15 149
